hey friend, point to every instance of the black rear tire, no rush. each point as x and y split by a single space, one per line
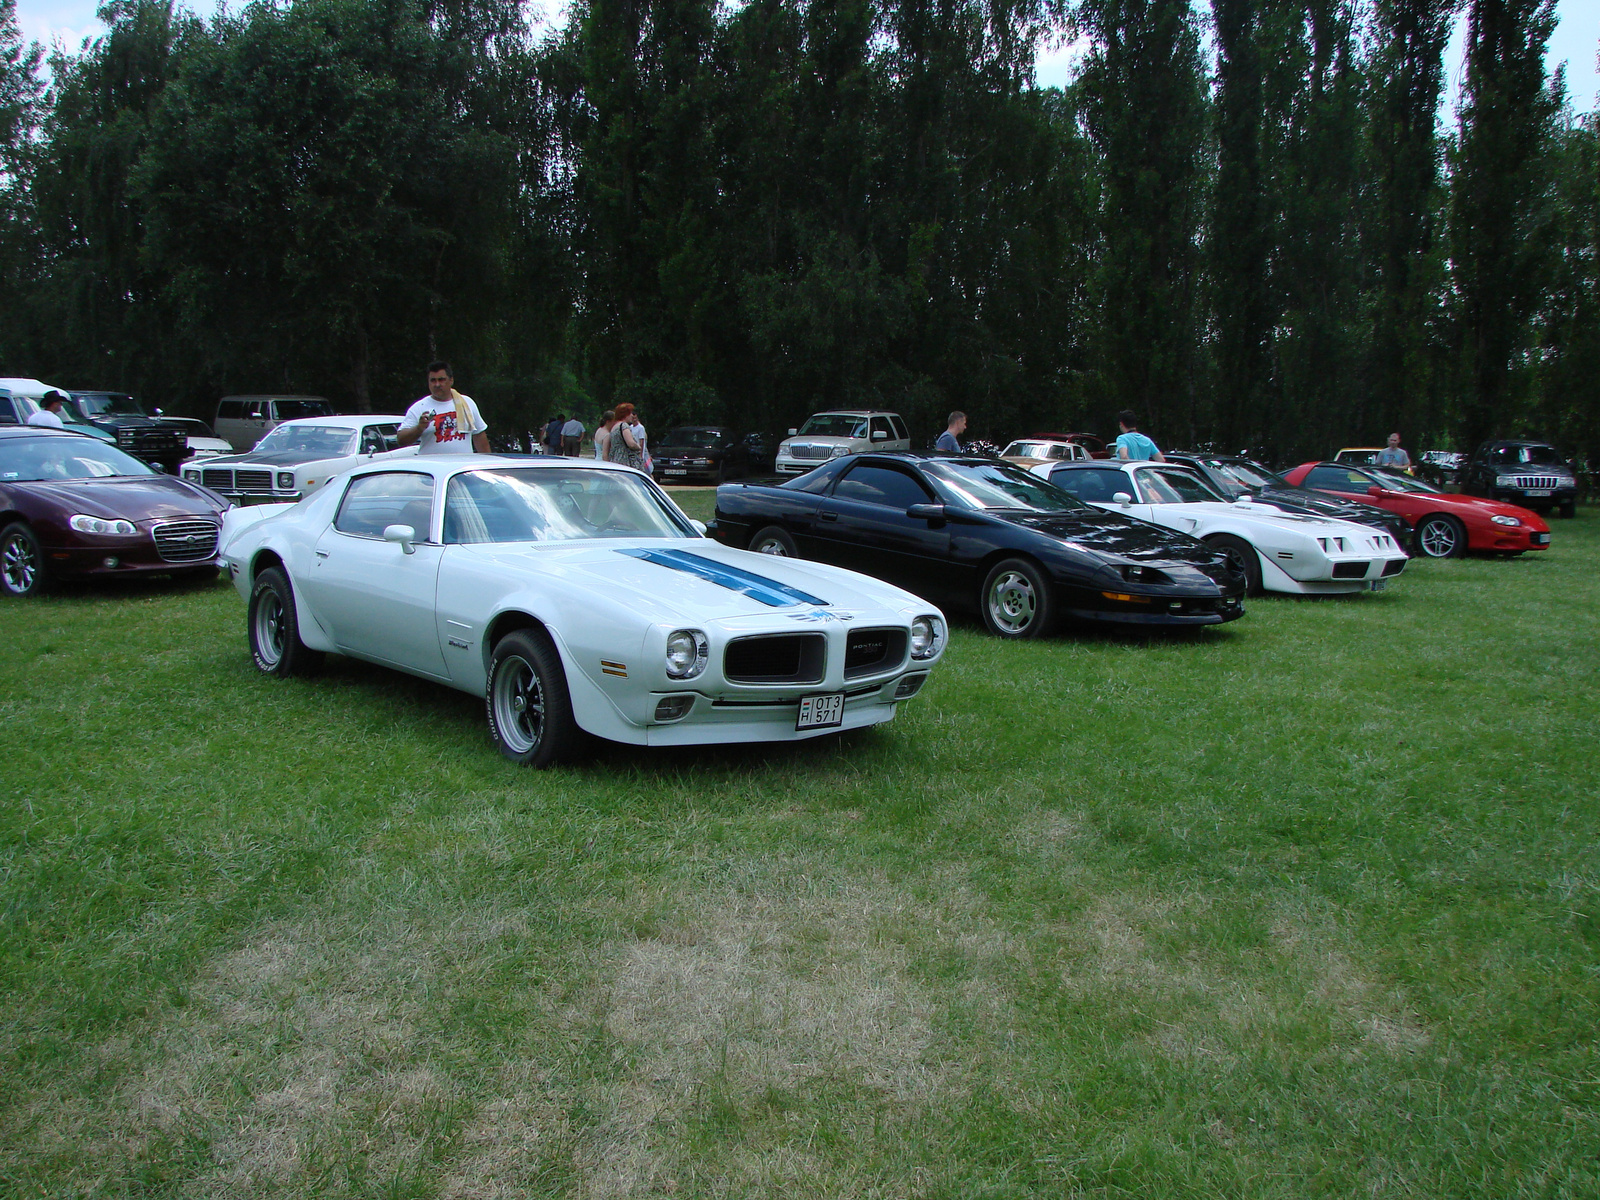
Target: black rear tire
775 540
1441 536
527 702
1016 602
275 629
1569 509
22 567
1242 557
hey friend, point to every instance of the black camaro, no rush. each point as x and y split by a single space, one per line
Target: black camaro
980 534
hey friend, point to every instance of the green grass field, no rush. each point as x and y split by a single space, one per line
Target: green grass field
1305 906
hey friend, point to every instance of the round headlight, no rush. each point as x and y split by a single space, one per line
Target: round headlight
687 653
1502 519
286 481
927 637
117 528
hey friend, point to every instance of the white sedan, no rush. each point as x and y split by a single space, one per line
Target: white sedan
1277 551
573 596
298 457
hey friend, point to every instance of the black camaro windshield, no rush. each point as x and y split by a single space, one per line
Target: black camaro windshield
71 457
1001 487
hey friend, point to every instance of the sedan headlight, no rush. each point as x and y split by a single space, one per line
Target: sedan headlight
1502 519
687 653
286 481
1505 481
192 476
88 524
1138 574
927 637
840 451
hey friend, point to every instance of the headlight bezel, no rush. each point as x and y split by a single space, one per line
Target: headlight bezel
285 481
930 633
1505 519
686 662
112 526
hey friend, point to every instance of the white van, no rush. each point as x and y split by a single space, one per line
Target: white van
839 432
242 421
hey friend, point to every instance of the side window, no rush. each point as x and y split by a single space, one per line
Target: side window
252 410
1070 481
8 411
1094 486
377 438
230 410
880 429
881 485
899 427
373 502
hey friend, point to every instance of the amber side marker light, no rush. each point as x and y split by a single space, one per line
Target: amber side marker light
1126 598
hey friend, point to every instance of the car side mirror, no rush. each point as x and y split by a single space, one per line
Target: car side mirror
403 534
1122 498
700 526
926 512
880 435
792 432
1375 490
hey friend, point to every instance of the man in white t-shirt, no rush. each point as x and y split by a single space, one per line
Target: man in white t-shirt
49 414
444 421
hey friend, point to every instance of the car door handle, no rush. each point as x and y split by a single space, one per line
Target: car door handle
322 554
827 516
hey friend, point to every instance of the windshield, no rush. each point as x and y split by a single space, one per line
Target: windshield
692 437
1251 475
848 425
1046 450
1537 456
191 426
555 505
1396 482
99 403
325 441
1174 487
74 457
1000 486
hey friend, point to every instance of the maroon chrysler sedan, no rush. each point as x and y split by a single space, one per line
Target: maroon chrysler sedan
74 507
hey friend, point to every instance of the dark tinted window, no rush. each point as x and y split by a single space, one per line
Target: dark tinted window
230 410
1337 479
293 410
8 412
899 428
881 485
1094 485
374 502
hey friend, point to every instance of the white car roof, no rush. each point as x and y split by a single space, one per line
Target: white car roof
343 421
440 465
19 386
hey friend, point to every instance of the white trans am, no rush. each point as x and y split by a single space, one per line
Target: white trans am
298 457
1277 551
573 596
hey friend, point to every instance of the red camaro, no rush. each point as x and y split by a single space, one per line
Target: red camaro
1446 525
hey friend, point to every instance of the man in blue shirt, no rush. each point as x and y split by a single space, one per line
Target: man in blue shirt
954 428
1133 446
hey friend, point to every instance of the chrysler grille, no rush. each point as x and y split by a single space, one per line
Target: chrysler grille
776 658
186 541
870 651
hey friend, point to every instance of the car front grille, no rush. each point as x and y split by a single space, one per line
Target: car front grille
1540 481
253 481
1350 570
869 651
776 658
810 452
1393 567
218 479
186 541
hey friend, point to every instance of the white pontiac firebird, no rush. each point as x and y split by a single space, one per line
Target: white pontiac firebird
572 595
1277 551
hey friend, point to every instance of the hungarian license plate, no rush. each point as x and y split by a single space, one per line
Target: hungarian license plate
1379 584
1539 539
675 471
1538 492
821 712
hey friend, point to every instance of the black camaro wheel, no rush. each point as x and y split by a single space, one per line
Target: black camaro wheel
22 569
1440 536
1242 559
1015 601
275 628
529 709
774 540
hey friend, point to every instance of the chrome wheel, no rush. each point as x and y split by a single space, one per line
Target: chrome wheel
772 547
269 629
19 562
1013 602
519 702
776 541
1440 537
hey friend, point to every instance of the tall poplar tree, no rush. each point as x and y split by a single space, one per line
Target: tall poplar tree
1143 106
1497 192
20 93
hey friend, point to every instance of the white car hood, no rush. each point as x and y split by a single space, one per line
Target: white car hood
697 579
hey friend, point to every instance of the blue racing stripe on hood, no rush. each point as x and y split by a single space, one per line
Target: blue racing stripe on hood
757 587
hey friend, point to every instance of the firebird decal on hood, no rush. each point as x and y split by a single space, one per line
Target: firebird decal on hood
768 591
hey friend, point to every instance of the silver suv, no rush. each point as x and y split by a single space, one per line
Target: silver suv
839 432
